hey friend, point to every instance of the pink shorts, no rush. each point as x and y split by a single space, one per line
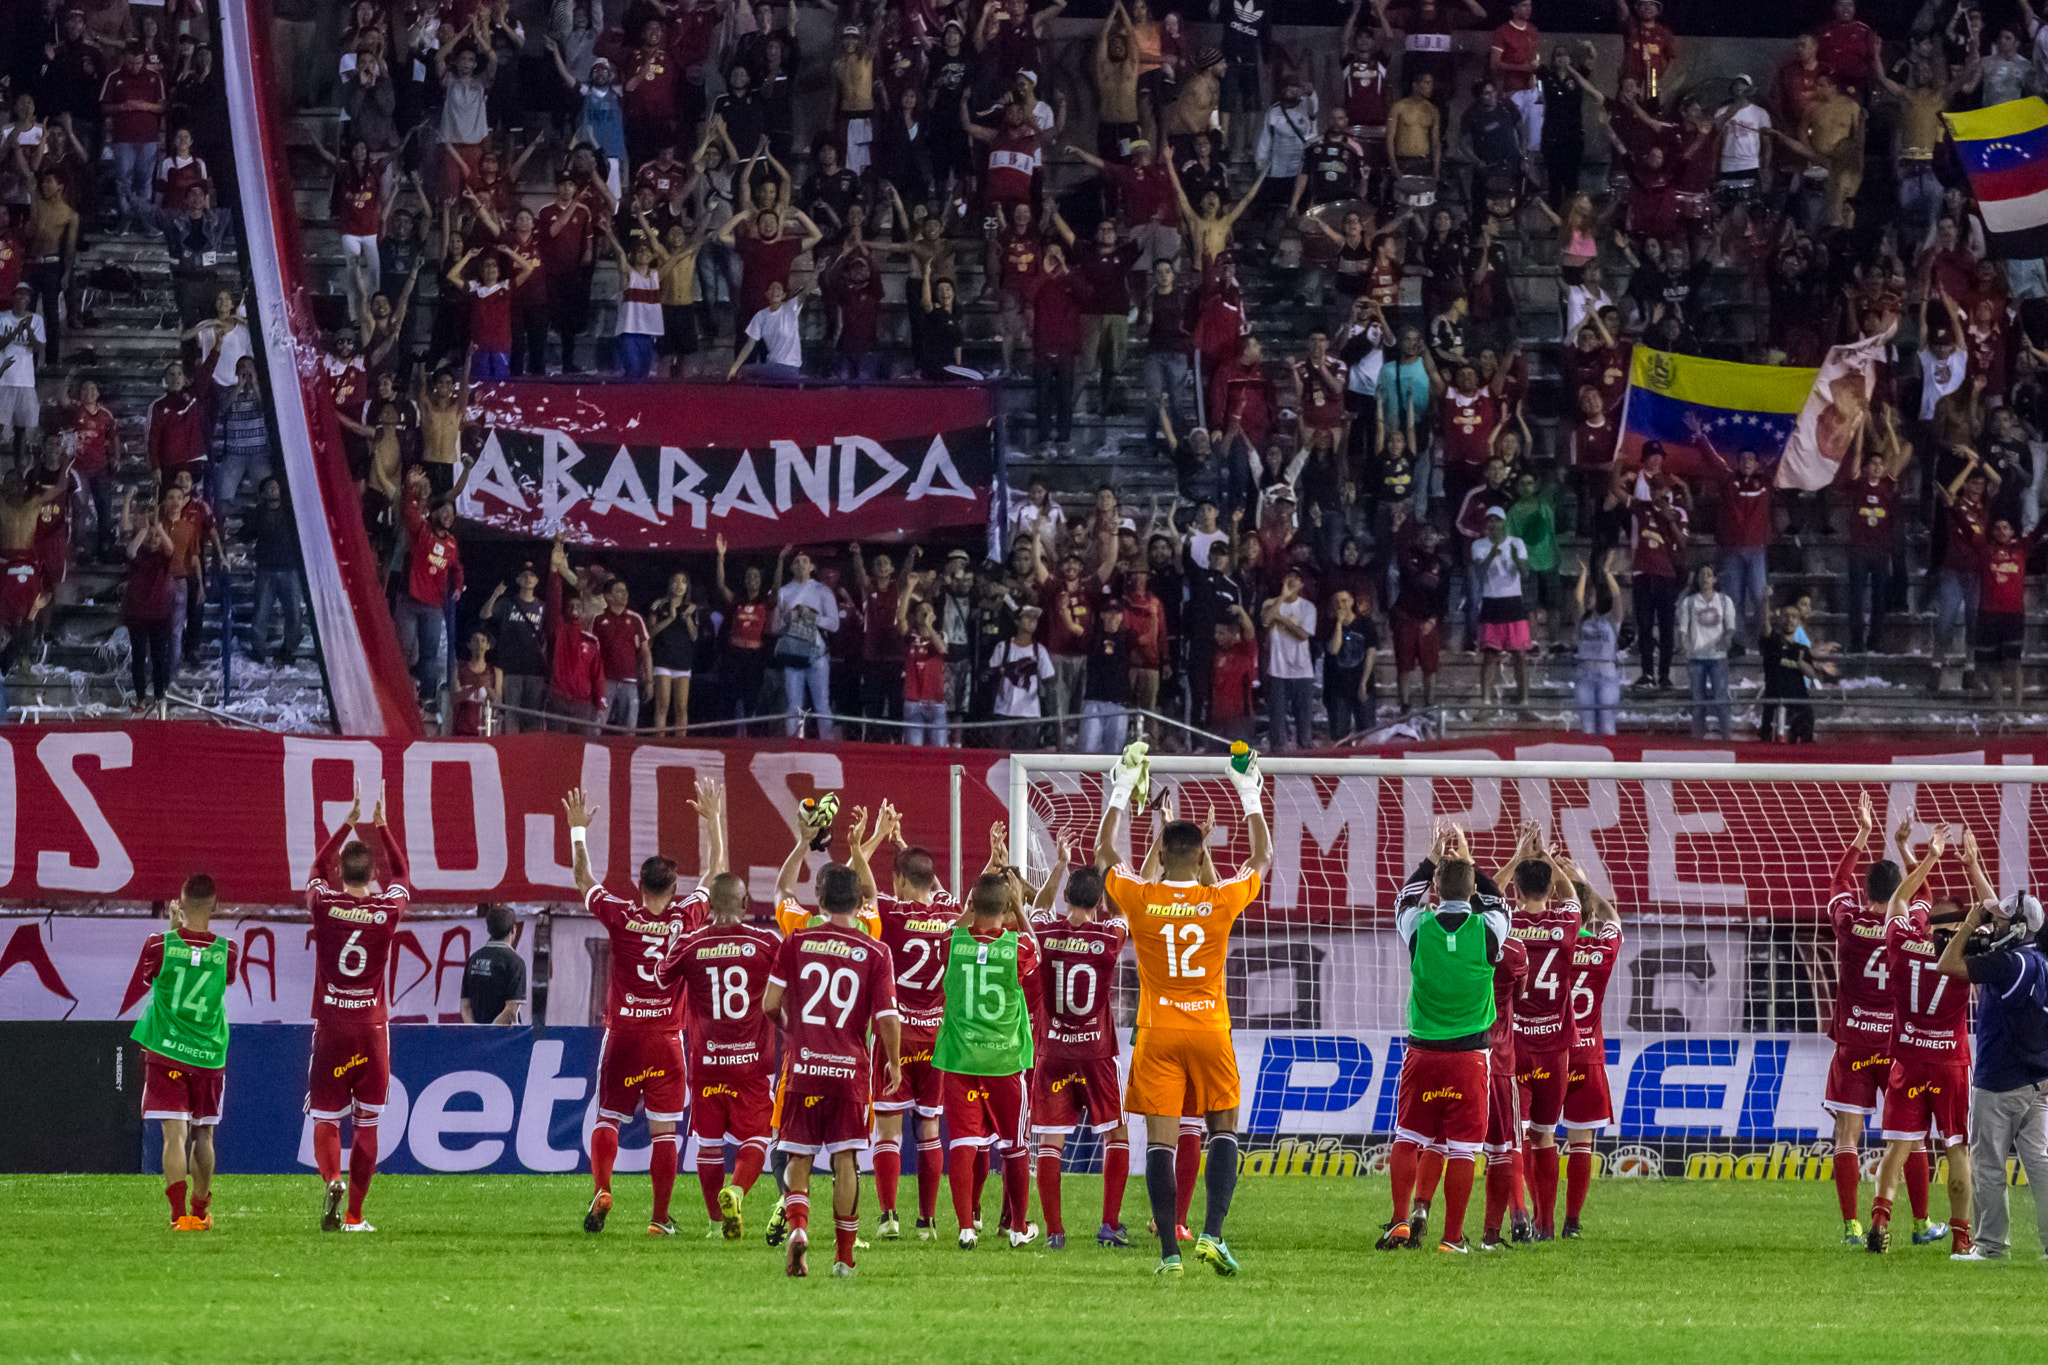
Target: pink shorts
350 1071
173 1090
642 1069
822 1125
1511 637
1066 1095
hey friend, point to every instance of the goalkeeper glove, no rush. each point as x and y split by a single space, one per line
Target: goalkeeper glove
1248 782
1132 773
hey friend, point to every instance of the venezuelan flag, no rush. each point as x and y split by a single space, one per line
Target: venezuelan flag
1740 407
2004 151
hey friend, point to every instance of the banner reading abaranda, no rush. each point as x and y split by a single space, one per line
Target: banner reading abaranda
675 466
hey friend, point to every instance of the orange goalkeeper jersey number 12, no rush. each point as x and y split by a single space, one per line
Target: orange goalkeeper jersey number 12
1180 932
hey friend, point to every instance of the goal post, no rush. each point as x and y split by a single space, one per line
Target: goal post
1716 1013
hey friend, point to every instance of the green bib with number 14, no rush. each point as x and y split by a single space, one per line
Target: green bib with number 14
186 1019
986 1030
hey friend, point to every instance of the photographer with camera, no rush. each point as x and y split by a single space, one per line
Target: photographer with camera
1998 948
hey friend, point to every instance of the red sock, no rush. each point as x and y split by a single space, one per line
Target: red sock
1116 1173
1578 1178
327 1150
747 1168
960 1164
1543 1176
1457 1196
1401 1174
1499 1180
1916 1182
362 1167
175 1192
1017 1187
1848 1181
843 1231
1429 1168
712 1179
931 1173
1518 1177
888 1171
661 1165
1049 1189
1187 1171
604 1150
201 1203
796 1211
980 1174
1880 1211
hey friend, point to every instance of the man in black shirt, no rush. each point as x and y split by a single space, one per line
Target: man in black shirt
494 980
1212 597
1247 43
1106 690
1166 317
274 549
1493 142
1332 167
521 649
1564 131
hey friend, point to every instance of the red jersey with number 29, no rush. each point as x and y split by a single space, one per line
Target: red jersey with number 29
835 982
722 971
1863 997
918 936
1594 954
638 1000
352 936
1077 972
1543 1015
1931 1012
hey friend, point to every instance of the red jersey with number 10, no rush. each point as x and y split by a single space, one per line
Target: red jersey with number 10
835 983
638 999
1077 973
1543 1016
1594 954
722 972
352 934
918 936
1931 1012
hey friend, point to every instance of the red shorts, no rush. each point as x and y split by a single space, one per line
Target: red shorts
637 1069
1922 1097
21 583
731 1110
920 1086
981 1110
1442 1100
821 1125
1587 1103
1067 1094
1855 1077
1542 1077
350 1071
173 1090
1417 644
1503 1111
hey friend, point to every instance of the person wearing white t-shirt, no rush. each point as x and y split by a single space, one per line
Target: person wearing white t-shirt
1290 622
21 341
778 330
1021 668
1500 560
1745 151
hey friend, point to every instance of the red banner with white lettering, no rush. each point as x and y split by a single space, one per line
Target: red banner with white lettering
125 814
674 466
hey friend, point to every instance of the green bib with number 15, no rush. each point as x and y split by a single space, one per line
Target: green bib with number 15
986 1030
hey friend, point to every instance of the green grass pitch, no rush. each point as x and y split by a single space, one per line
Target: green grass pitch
498 1268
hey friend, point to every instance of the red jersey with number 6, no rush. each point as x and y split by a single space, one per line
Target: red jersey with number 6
638 999
1543 1016
918 935
352 934
1593 957
1077 967
722 971
1863 998
835 982
1931 1012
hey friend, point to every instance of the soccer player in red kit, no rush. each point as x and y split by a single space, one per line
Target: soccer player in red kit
350 1073
640 1064
1861 1026
1546 920
1928 1090
1588 1107
1075 1081
1504 1184
829 985
916 922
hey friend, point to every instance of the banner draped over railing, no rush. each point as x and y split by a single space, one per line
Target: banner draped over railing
674 466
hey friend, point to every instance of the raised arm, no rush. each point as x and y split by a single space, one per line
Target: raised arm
579 811
1922 870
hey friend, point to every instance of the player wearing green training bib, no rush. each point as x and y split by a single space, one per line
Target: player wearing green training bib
984 1048
184 1035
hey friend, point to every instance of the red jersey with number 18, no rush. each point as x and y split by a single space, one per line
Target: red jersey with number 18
1543 1016
1078 971
637 999
835 982
918 936
722 971
1931 1011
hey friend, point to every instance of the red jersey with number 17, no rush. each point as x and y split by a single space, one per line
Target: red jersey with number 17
918 935
638 1000
1077 970
835 982
352 935
722 972
1543 1016
1931 1012
1594 954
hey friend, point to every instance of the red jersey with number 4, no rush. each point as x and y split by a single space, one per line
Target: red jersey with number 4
1863 998
918 936
352 935
1930 1012
638 999
1594 954
835 983
1077 968
722 971
1543 1015
1508 975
